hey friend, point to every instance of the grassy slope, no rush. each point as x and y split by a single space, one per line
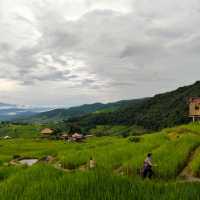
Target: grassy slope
120 130
25 131
172 145
45 183
114 155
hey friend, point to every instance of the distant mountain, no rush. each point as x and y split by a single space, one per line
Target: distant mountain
10 111
57 115
4 105
162 110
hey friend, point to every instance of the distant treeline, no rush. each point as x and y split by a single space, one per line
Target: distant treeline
163 110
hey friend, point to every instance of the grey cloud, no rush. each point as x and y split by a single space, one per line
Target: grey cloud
59 40
5 47
166 33
118 50
141 49
23 19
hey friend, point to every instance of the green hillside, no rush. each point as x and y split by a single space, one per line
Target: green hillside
64 114
162 110
116 175
19 130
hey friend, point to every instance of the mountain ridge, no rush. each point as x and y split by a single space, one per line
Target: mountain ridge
162 110
61 114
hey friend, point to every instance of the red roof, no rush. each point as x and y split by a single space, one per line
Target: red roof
195 100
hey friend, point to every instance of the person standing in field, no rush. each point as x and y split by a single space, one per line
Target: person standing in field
147 169
92 163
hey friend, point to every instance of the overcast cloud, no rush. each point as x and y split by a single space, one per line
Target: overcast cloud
70 52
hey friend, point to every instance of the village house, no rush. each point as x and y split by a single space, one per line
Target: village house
194 108
47 132
64 136
77 137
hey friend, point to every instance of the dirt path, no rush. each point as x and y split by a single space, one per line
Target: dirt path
80 168
59 167
190 179
186 173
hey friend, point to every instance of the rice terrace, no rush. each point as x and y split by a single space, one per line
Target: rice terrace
67 176
99 100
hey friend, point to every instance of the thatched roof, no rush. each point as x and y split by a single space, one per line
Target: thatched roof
47 131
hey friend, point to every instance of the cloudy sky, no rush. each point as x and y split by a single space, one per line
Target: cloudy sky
69 52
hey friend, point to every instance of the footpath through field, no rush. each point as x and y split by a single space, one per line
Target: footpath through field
186 173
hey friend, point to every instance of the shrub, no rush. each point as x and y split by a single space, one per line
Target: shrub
135 139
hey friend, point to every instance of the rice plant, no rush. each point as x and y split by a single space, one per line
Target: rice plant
116 174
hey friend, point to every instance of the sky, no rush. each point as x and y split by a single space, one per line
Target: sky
72 52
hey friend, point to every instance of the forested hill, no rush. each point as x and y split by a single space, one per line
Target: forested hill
64 114
162 110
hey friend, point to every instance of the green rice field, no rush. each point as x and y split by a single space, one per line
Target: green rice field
117 172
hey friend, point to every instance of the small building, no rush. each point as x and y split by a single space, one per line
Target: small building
46 132
77 137
194 107
64 137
